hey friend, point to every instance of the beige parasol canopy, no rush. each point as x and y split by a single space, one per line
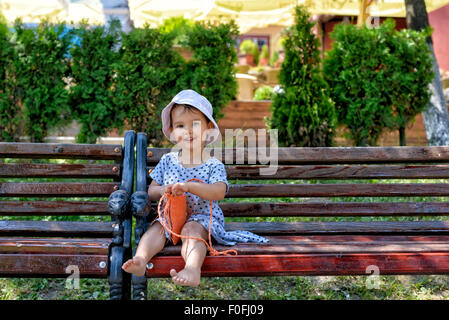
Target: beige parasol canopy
247 13
33 11
255 13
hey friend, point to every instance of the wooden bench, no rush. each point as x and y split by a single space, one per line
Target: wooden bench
59 247
312 241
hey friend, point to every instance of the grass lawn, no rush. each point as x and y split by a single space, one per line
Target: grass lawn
252 288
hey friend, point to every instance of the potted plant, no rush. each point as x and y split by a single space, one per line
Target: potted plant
264 56
250 50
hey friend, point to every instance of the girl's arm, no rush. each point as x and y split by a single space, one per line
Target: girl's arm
214 191
155 191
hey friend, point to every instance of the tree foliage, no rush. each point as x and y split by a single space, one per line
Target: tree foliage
303 114
41 69
378 78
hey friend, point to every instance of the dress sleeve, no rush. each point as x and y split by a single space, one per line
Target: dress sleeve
218 173
157 174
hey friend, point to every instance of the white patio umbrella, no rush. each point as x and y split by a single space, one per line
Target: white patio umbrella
32 11
256 13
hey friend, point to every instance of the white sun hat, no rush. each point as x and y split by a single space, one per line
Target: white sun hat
196 100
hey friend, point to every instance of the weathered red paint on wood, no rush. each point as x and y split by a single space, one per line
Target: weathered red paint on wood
333 244
60 151
33 170
309 264
57 189
324 155
51 208
53 265
54 245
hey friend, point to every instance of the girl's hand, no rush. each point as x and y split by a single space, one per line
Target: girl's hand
179 188
176 188
166 188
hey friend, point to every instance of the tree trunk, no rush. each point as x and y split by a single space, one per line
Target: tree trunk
402 141
436 116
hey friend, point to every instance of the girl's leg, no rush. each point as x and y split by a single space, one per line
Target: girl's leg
152 242
193 252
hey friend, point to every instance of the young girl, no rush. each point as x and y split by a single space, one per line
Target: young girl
187 120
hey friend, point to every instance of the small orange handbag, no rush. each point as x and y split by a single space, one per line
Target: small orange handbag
173 214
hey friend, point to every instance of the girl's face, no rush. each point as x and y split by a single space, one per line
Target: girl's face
188 127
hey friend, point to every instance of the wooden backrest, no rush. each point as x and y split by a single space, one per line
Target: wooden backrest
316 177
45 179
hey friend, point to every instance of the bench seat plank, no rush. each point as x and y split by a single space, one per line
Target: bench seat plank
49 208
55 245
56 228
53 265
313 264
333 244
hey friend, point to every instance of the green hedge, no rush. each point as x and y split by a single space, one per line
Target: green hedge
108 79
303 113
378 78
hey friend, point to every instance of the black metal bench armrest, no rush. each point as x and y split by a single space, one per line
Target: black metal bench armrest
141 208
120 210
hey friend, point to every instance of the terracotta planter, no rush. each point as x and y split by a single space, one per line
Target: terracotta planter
184 52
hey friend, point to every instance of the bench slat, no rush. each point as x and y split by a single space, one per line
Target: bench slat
352 227
60 151
57 189
312 264
50 208
89 229
53 265
332 209
337 190
333 244
339 172
54 246
32 170
336 172
334 155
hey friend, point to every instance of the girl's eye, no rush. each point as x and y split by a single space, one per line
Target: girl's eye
179 126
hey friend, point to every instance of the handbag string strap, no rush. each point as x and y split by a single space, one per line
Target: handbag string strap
166 198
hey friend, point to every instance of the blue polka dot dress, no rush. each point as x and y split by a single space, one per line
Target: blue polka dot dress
169 170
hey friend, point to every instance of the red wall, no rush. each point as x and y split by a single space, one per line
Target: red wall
439 20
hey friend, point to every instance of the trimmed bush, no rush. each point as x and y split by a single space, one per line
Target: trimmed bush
41 67
211 71
378 78
10 103
91 98
303 114
147 75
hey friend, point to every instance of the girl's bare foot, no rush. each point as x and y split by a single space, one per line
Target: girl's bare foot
135 266
186 277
